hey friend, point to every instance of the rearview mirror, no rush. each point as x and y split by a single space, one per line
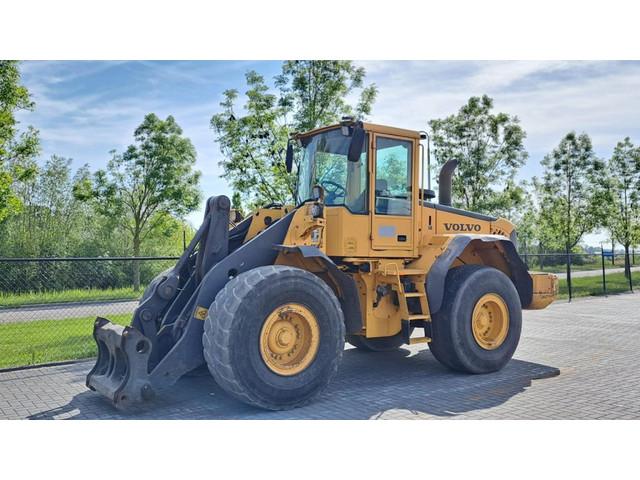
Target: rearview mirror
357 142
289 158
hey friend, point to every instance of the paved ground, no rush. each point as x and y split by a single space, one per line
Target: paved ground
595 273
64 311
578 360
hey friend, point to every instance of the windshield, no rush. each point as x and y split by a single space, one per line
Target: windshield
324 162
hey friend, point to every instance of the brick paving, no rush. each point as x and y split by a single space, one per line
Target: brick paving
575 361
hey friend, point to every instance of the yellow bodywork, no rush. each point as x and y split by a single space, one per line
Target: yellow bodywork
389 262
545 289
263 217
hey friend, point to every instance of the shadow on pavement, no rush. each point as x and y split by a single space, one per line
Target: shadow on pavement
368 385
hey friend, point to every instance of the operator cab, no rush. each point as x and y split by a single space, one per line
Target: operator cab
325 162
368 173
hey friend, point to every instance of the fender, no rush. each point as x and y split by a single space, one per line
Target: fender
437 275
342 284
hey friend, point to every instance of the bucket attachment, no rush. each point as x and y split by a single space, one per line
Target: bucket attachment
120 372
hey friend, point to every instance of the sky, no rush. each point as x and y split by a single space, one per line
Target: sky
85 109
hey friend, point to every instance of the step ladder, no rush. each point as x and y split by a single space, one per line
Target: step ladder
411 320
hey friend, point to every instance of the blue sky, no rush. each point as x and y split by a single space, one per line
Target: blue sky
85 109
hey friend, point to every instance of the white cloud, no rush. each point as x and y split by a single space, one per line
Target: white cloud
597 97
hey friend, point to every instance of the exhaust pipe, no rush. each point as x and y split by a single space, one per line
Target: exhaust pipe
444 182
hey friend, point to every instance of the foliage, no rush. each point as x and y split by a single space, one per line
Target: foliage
315 91
236 203
252 145
618 195
568 194
526 220
60 218
307 94
16 148
51 222
489 148
150 183
623 172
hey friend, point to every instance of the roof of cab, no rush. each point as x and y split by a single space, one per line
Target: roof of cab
373 127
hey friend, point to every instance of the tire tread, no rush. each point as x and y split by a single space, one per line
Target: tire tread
217 343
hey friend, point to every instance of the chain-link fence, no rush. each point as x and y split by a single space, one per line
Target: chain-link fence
48 305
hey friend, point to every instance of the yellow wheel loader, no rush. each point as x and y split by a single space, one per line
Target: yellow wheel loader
365 256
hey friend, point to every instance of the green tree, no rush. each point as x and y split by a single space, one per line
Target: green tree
16 148
50 220
307 94
315 91
534 235
619 197
151 181
236 203
489 148
252 144
568 209
527 218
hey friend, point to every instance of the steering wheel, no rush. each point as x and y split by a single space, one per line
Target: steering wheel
332 193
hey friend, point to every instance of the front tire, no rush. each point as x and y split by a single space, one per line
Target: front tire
274 337
478 326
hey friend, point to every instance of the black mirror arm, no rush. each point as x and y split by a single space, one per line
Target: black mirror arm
357 143
289 157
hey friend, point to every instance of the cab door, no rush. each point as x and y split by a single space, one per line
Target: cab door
392 216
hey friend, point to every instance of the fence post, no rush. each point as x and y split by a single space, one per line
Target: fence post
604 277
526 261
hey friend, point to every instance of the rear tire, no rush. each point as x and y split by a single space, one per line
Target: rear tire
245 324
382 344
467 338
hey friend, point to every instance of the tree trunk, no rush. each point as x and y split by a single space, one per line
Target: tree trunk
136 263
627 262
569 286
613 256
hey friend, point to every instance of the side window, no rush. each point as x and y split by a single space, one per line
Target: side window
393 176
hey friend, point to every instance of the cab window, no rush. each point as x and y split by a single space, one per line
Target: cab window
325 163
393 176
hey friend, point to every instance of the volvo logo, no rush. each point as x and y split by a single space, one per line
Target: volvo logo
462 227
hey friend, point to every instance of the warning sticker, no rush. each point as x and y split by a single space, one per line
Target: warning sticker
201 313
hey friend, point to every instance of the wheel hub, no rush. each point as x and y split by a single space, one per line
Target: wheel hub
289 339
490 321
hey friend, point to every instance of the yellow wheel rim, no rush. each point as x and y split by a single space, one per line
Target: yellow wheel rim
289 339
490 321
